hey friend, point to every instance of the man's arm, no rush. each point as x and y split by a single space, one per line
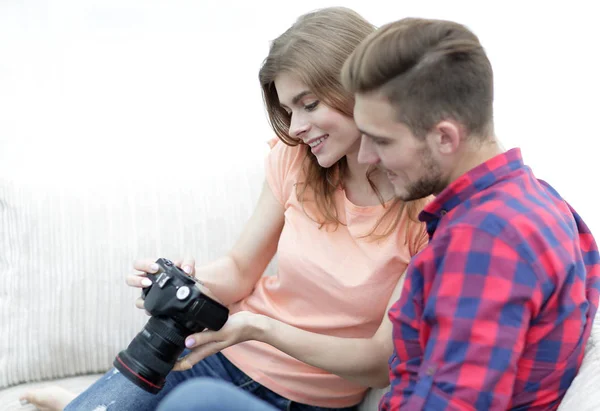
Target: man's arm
479 297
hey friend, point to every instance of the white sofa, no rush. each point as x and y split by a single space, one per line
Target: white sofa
65 248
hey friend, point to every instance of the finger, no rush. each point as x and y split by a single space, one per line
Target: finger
145 266
197 355
139 303
203 338
188 265
138 280
182 365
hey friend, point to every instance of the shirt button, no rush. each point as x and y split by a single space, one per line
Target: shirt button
430 370
443 212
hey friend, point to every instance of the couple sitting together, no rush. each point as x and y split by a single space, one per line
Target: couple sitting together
413 250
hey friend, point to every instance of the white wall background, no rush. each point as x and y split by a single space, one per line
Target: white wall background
91 90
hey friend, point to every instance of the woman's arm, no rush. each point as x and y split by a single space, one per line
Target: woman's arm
233 276
363 360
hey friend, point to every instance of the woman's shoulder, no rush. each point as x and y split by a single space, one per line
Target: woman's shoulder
284 167
411 232
285 159
285 151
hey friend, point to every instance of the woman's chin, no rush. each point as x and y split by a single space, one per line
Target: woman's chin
326 161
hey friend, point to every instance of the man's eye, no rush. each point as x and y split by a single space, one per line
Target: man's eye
311 106
378 142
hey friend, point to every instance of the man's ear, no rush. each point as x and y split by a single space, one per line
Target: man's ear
445 137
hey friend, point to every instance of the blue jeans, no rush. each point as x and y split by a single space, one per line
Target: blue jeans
114 392
208 394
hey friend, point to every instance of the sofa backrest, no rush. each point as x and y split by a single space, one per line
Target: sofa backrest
66 247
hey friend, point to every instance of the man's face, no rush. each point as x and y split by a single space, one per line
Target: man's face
408 161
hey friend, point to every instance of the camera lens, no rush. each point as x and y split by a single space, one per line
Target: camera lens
152 354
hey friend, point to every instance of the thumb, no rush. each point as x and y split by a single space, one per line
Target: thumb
182 364
189 266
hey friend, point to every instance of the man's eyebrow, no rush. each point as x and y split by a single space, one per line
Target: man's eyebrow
373 136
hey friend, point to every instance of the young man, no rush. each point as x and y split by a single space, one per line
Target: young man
496 310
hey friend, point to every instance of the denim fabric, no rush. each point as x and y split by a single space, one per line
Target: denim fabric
114 392
207 394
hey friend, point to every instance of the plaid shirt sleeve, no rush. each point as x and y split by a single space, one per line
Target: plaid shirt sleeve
468 300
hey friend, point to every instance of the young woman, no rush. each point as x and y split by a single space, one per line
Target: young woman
315 335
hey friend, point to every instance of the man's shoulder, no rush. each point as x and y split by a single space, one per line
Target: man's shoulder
531 217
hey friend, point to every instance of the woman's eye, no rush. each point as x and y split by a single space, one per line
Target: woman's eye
311 106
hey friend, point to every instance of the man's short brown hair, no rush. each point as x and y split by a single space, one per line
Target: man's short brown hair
430 70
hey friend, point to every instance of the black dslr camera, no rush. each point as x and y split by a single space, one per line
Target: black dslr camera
178 309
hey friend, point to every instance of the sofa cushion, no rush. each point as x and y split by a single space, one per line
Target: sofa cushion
9 397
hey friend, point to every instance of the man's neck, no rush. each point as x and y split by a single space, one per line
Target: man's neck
475 154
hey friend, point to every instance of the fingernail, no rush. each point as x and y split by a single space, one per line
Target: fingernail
146 282
190 342
153 267
187 269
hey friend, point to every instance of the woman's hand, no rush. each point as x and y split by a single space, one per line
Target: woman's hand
240 327
140 279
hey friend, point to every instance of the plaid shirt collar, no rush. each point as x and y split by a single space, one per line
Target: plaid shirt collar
469 184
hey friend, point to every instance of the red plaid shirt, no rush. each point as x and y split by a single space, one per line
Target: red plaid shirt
496 310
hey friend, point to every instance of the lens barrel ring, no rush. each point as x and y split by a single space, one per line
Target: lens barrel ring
165 331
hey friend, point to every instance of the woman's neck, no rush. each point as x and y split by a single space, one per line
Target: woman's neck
356 171
357 187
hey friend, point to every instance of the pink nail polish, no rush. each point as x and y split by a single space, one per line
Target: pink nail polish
190 342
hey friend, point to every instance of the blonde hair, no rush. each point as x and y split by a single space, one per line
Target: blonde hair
314 49
429 70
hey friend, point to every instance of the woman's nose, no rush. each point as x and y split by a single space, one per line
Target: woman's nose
298 126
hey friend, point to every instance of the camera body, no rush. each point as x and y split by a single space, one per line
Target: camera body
178 309
174 294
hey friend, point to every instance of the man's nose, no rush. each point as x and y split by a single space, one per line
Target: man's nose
366 152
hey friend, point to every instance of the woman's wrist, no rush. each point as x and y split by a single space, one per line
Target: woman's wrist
261 327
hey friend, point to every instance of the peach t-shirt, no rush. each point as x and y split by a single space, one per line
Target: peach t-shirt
328 281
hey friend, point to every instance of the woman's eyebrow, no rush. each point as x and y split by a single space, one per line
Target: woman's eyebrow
298 96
